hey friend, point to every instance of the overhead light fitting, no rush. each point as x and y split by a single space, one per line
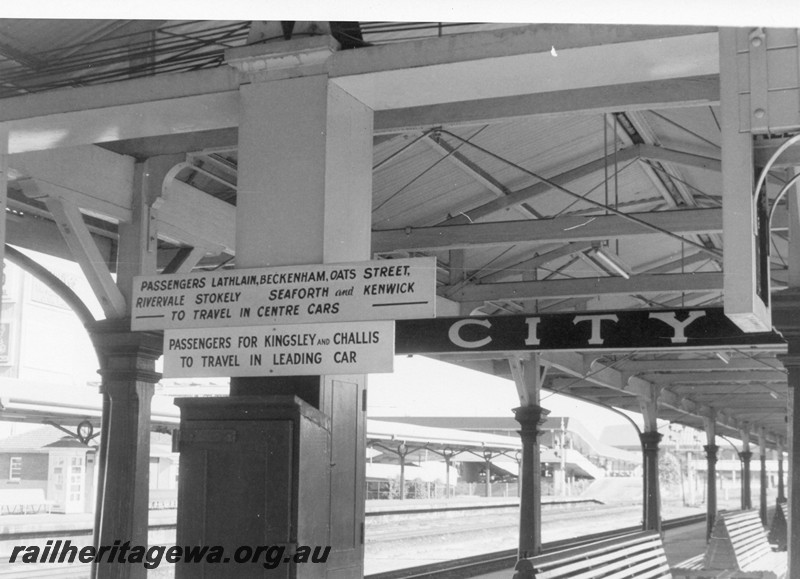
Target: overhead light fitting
611 263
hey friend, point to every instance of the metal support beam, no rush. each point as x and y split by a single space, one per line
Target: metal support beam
589 287
554 230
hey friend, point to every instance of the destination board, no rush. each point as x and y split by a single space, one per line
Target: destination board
692 328
299 349
360 291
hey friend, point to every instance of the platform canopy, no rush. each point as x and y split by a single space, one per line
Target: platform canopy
548 168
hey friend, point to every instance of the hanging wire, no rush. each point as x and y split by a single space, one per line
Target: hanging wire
404 148
424 172
592 190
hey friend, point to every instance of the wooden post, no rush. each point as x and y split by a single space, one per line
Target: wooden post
305 197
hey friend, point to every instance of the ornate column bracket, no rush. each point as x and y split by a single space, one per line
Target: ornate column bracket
650 442
530 418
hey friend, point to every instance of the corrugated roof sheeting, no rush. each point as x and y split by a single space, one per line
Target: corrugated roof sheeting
546 145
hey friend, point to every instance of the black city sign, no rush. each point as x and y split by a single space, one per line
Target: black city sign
610 330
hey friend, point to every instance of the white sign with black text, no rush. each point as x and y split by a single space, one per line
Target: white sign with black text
298 349
360 291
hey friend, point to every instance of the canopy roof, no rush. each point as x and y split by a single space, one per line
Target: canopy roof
548 168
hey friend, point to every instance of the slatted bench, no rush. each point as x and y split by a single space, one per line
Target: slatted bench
636 555
23 501
738 548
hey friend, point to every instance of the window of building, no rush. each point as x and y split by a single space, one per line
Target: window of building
15 469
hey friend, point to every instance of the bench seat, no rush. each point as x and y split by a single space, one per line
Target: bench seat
636 555
738 548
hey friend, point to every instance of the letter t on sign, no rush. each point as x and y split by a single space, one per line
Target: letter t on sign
596 323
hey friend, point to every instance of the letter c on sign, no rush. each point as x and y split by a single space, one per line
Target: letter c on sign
455 338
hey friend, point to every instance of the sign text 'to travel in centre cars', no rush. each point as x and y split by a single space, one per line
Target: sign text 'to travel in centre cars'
372 290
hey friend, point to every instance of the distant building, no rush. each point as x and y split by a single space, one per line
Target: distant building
50 460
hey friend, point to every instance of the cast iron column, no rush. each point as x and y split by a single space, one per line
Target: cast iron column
402 451
651 519
763 489
128 382
487 457
711 487
745 457
530 502
781 487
